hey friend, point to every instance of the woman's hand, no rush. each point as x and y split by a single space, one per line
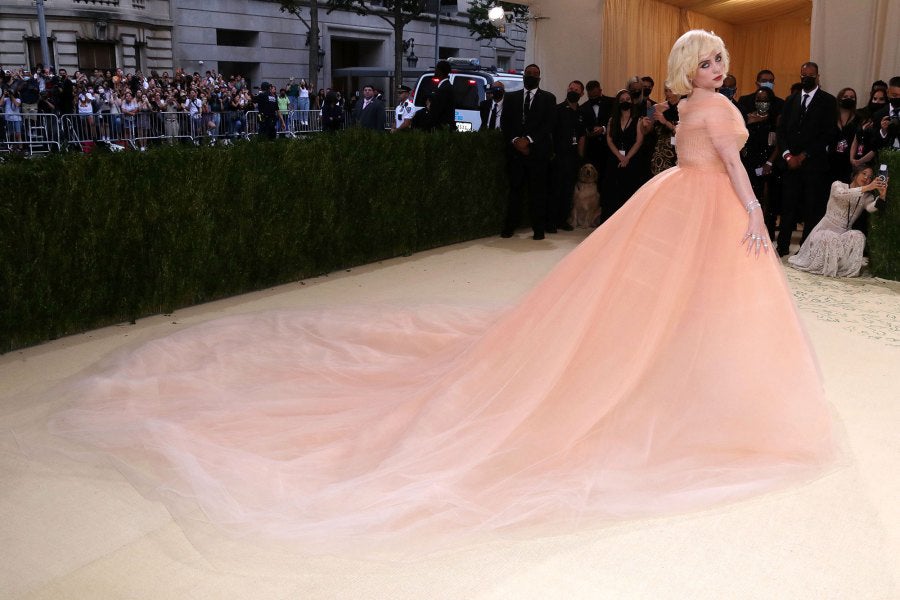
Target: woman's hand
623 162
756 237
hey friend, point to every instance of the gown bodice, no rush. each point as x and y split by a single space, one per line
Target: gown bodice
703 120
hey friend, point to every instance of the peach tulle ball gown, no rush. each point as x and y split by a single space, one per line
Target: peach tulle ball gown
658 368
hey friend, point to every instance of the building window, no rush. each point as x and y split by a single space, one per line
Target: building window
99 2
138 4
139 49
96 55
35 55
236 37
503 62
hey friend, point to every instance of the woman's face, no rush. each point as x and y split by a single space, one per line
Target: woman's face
623 97
864 177
848 94
879 97
710 72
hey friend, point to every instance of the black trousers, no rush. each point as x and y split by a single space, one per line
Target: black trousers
804 196
267 127
527 173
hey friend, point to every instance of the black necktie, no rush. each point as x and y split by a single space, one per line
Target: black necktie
492 122
527 107
803 104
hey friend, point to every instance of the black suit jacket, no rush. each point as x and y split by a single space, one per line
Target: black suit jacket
595 147
372 117
893 133
538 125
485 108
811 132
443 111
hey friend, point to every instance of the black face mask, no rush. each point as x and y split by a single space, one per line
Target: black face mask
530 81
807 83
873 106
625 106
573 97
848 103
635 95
895 102
497 95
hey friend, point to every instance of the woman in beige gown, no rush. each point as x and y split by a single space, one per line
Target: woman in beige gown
638 378
833 248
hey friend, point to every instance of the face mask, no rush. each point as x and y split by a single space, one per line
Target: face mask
635 95
625 106
807 83
762 107
497 95
895 102
728 92
766 84
530 81
573 97
848 103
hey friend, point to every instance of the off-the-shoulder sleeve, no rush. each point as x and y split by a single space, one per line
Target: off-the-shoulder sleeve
724 121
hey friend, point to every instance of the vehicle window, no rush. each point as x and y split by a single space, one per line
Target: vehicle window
468 91
427 85
511 84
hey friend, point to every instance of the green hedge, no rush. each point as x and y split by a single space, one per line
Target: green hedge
884 225
87 241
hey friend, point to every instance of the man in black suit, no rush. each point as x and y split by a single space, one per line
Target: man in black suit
369 111
595 116
803 136
527 124
888 118
491 109
443 110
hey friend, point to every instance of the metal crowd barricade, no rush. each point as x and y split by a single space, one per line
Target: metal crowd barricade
33 133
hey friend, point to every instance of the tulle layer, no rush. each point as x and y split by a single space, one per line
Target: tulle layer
657 369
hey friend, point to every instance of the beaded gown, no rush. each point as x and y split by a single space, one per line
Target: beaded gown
832 247
639 377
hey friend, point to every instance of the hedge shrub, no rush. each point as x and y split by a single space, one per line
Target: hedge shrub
884 225
87 241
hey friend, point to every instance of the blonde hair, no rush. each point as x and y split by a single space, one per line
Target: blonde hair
685 57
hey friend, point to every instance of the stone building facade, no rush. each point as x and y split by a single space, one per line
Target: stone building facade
250 37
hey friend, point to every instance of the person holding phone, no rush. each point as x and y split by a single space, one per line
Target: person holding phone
624 138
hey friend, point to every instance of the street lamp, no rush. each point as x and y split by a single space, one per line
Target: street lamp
321 56
409 48
496 14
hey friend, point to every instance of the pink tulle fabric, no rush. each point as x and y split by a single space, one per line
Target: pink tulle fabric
656 369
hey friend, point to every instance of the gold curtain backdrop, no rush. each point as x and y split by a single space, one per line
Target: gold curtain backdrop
638 34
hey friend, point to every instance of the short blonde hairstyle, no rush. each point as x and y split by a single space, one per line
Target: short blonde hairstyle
685 58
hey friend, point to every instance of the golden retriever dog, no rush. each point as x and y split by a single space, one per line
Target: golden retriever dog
586 198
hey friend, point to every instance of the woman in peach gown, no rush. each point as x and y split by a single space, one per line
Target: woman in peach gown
660 367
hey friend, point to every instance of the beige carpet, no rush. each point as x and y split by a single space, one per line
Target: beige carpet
68 531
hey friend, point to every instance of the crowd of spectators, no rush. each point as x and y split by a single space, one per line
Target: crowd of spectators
115 106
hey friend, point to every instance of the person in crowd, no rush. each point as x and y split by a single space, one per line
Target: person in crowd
332 113
843 132
665 120
729 87
624 138
403 112
85 121
283 111
369 112
877 101
421 120
527 124
643 110
803 136
648 84
760 154
595 114
887 120
29 94
491 108
568 143
144 116
833 248
747 104
303 102
267 105
12 116
66 103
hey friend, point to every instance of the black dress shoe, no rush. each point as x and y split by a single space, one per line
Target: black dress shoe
550 229
537 236
506 234
566 227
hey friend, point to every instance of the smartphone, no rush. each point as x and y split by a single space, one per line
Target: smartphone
651 110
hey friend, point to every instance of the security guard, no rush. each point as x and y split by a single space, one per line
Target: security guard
267 105
404 111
